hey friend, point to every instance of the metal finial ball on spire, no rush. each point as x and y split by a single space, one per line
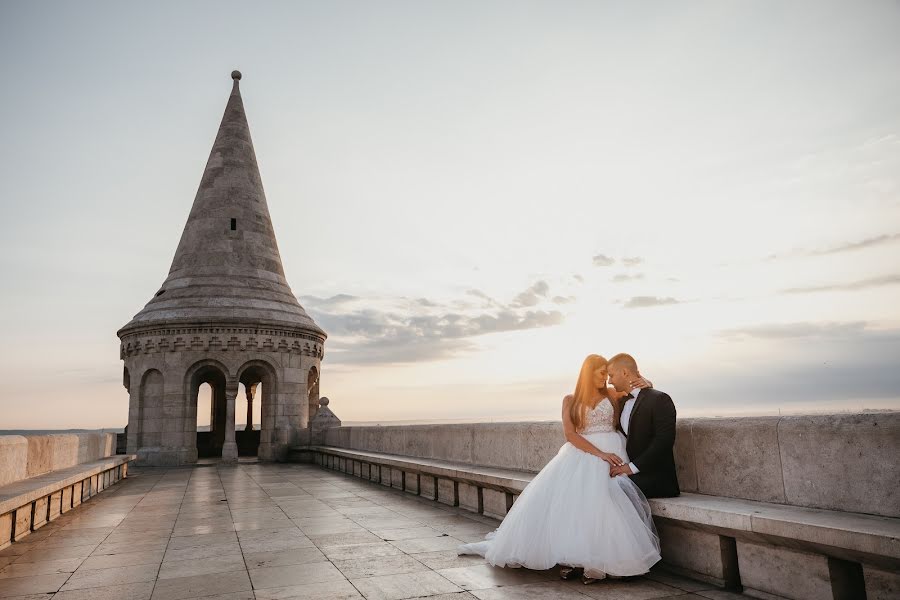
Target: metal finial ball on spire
236 75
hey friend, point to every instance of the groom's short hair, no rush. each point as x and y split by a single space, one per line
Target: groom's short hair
624 360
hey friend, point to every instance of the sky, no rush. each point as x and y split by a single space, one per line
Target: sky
470 197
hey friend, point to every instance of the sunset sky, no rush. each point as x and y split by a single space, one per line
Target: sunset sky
469 197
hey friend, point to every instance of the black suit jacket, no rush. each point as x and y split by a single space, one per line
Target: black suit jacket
651 439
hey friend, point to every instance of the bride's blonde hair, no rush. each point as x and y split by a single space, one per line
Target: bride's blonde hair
585 389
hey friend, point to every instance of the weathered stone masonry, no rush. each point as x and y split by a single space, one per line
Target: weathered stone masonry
224 316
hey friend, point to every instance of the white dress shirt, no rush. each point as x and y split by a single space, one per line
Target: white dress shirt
626 418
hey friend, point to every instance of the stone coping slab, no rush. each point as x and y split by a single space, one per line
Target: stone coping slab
868 534
21 492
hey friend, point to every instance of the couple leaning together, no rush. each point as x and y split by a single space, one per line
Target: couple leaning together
587 509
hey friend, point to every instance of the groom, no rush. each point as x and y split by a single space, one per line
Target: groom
648 421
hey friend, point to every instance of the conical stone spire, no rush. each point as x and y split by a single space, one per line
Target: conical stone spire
227 269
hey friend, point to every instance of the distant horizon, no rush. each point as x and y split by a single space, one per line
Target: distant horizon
463 420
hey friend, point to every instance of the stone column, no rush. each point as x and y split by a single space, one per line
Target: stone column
251 390
229 449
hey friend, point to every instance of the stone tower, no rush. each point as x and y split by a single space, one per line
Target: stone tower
225 315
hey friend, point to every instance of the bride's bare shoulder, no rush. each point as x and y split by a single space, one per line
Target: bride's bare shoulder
568 399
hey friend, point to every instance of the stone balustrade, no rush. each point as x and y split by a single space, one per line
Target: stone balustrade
838 462
43 476
23 456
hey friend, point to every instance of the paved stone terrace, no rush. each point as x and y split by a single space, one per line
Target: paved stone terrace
275 531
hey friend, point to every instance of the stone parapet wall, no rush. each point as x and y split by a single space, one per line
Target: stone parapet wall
838 462
24 456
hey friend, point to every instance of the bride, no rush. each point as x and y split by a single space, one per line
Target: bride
573 513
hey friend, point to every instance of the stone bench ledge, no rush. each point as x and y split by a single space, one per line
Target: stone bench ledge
868 534
502 479
19 493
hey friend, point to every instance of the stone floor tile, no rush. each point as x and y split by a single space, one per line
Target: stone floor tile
120 547
677 581
486 576
248 595
345 539
407 533
197 586
280 558
330 590
375 566
556 590
288 532
719 595
254 545
207 539
32 584
44 567
137 537
408 585
430 544
361 551
447 559
395 522
81 537
123 559
85 578
263 523
320 527
18 548
201 566
126 591
194 552
270 577
218 527
630 589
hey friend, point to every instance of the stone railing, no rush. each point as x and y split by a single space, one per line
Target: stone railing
24 456
44 476
837 462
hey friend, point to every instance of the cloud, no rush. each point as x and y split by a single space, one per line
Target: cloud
846 287
840 248
800 330
331 302
623 277
563 299
649 301
533 295
602 260
578 278
399 330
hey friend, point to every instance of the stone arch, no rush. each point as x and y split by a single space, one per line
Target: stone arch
312 390
126 379
260 380
150 409
212 372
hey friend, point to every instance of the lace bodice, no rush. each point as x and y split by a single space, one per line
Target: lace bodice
600 418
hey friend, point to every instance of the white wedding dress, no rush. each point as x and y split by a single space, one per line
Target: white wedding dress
573 513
